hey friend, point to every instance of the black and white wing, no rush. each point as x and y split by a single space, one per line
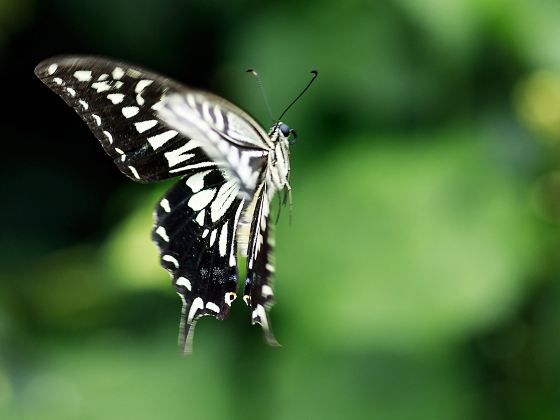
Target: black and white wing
258 293
119 103
194 116
220 159
195 230
232 138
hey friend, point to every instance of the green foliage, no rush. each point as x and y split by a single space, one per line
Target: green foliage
419 279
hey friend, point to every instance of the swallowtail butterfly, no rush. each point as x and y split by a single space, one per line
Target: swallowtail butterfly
229 167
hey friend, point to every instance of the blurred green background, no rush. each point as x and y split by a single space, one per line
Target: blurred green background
420 277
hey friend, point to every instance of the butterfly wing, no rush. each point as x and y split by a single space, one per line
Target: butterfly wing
220 154
195 227
258 293
119 103
239 144
232 138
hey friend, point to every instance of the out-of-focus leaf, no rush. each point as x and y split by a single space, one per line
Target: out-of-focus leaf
13 14
130 255
452 26
404 246
113 376
538 103
369 385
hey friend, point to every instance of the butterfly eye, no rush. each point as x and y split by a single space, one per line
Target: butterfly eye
284 129
293 137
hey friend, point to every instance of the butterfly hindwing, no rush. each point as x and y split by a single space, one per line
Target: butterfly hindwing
260 264
195 227
119 103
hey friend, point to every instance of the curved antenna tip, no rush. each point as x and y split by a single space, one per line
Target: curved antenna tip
315 73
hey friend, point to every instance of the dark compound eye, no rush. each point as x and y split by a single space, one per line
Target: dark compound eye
284 129
294 136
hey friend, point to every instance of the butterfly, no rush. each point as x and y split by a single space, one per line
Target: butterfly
230 168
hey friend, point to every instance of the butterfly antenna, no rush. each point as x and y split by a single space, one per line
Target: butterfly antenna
315 73
261 87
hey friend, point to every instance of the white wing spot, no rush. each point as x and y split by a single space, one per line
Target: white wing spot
206 112
134 172
84 104
259 316
117 73
270 267
133 73
58 81
184 282
101 86
116 98
160 139
145 125
120 152
109 136
222 242
213 307
196 181
104 76
139 100
191 101
165 205
201 199
266 291
229 297
212 237
71 91
197 304
177 156
219 118
226 194
205 233
130 111
232 256
52 68
200 218
193 166
162 233
142 84
171 259
83 75
97 119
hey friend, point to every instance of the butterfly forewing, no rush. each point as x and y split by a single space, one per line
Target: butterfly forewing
232 139
119 103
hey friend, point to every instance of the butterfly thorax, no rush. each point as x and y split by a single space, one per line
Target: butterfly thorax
276 178
278 159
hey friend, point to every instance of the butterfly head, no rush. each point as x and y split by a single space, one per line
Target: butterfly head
286 132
